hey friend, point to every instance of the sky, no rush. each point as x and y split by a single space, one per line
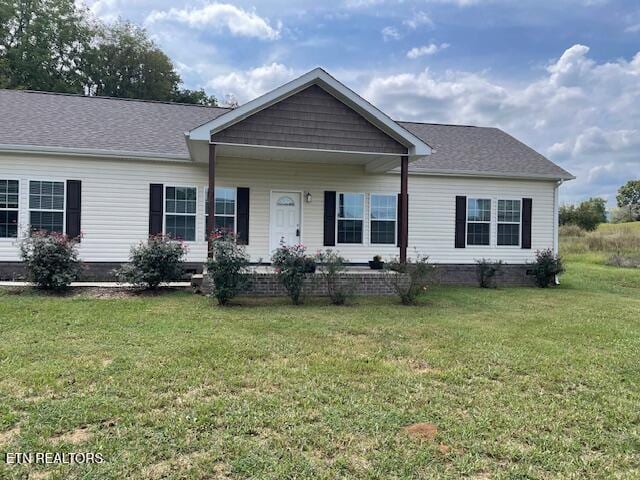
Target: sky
563 76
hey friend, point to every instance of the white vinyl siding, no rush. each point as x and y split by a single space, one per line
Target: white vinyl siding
109 233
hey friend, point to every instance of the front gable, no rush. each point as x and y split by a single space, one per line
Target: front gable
310 119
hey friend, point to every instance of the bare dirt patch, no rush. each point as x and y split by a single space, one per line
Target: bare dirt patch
7 436
422 431
74 437
421 366
181 463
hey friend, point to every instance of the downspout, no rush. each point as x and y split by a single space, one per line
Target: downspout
556 227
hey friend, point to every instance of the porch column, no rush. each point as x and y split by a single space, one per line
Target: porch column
404 207
211 194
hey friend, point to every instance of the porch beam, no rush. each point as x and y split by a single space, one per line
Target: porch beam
211 195
404 207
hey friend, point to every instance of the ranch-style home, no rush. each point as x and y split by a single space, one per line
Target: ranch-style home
310 162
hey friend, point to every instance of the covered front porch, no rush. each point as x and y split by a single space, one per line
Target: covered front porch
310 163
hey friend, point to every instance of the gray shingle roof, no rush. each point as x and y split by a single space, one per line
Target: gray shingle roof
99 123
118 125
459 148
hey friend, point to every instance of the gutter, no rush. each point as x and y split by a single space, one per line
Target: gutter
92 153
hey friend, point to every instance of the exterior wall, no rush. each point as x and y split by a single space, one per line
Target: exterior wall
311 118
115 205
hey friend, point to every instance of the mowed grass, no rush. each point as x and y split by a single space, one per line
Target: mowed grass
519 382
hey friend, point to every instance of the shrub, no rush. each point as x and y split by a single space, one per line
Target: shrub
587 215
487 271
629 213
331 266
409 279
227 268
291 266
158 260
547 267
51 260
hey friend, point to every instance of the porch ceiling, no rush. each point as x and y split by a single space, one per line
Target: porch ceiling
372 162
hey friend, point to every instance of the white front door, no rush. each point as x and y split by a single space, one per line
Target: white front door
285 218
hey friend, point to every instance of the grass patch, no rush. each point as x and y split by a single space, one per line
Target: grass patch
476 383
621 240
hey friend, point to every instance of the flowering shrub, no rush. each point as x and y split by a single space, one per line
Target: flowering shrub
291 264
160 259
228 267
51 260
331 266
409 279
547 267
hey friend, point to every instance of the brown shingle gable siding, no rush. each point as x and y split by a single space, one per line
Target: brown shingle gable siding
311 118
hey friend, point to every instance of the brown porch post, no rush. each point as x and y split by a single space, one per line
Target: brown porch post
211 193
404 207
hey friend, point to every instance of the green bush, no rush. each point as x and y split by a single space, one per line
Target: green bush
158 260
546 268
487 271
332 265
51 260
227 268
292 265
408 280
587 215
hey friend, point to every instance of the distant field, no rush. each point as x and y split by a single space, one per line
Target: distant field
609 239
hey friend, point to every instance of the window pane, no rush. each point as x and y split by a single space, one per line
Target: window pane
8 194
46 195
225 223
49 221
349 231
479 210
9 224
181 227
508 210
181 200
478 233
383 232
508 234
383 207
350 205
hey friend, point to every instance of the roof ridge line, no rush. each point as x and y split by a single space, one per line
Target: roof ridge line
107 97
441 124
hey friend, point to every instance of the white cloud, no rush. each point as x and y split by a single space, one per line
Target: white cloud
239 22
390 33
633 28
249 84
430 49
418 19
580 113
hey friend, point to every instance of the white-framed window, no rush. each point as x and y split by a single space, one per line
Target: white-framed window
509 218
383 218
478 221
350 217
180 213
46 205
225 209
9 202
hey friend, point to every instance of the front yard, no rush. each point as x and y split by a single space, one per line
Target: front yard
519 383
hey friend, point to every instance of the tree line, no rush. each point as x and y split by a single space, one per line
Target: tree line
57 46
592 212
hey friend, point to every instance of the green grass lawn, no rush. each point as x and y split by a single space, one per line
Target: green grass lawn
520 383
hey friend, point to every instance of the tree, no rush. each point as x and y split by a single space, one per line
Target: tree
198 97
587 215
126 63
43 45
629 197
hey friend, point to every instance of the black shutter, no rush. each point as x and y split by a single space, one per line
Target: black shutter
242 229
156 194
526 222
74 202
329 219
461 221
